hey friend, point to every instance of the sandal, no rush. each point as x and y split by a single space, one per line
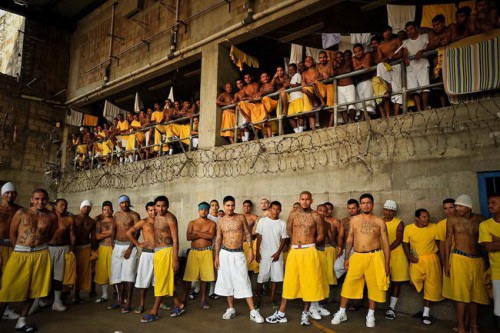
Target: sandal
140 309
176 312
126 309
205 306
113 306
426 320
27 328
101 300
149 318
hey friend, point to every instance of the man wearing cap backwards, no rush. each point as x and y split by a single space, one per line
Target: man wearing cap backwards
449 210
27 273
370 262
230 262
8 208
464 265
61 243
489 238
103 230
124 257
84 231
165 260
419 244
399 263
145 274
200 260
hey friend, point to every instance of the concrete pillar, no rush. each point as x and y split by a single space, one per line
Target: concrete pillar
216 70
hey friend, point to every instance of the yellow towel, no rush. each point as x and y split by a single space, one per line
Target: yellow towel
239 58
69 269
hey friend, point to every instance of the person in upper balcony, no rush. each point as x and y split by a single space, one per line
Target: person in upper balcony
390 49
486 18
315 91
441 34
346 89
228 116
417 71
295 99
246 95
364 89
239 96
281 81
463 22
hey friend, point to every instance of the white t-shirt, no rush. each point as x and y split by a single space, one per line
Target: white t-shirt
272 231
415 45
213 218
296 79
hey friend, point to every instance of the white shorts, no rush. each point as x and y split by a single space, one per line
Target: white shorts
346 94
364 89
416 78
496 297
338 267
232 276
123 270
145 276
57 258
270 270
394 78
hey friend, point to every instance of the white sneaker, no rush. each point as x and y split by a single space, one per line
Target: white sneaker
230 313
304 319
276 319
370 321
314 314
338 318
58 306
323 312
10 314
255 316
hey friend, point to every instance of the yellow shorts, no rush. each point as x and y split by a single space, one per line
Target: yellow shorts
446 293
399 265
330 257
200 266
254 265
103 265
83 277
5 253
69 269
296 106
301 276
159 131
427 274
228 121
164 273
369 267
26 275
468 280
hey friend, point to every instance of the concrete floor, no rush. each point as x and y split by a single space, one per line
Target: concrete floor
91 317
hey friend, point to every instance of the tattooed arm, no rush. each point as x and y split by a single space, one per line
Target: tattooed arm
450 223
172 223
14 226
384 240
340 237
320 228
349 244
399 235
72 235
248 238
218 242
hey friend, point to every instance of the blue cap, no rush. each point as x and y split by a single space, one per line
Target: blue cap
123 198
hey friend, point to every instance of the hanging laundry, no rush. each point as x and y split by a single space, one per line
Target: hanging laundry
110 111
239 58
296 54
313 52
399 15
329 40
89 120
430 11
75 118
138 105
171 94
363 39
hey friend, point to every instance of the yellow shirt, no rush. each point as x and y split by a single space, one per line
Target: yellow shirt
422 240
441 232
123 125
135 123
487 229
392 227
157 117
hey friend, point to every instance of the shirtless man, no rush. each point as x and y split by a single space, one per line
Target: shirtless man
228 115
486 18
103 231
281 81
346 89
305 228
124 257
200 260
465 265
440 34
61 243
230 261
27 273
338 236
264 206
84 233
449 211
301 67
251 218
364 89
166 259
145 273
370 261
213 216
8 208
386 52
314 97
238 97
352 210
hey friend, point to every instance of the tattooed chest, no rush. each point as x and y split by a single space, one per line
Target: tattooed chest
368 227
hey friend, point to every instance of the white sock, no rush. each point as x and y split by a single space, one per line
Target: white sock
57 296
296 130
121 160
247 136
427 310
170 151
371 313
314 305
104 288
197 286
212 289
301 129
394 300
281 314
195 142
342 310
21 322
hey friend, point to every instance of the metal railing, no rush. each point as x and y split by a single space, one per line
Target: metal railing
334 108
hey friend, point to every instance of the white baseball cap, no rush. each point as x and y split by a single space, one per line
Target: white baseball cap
8 187
391 205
